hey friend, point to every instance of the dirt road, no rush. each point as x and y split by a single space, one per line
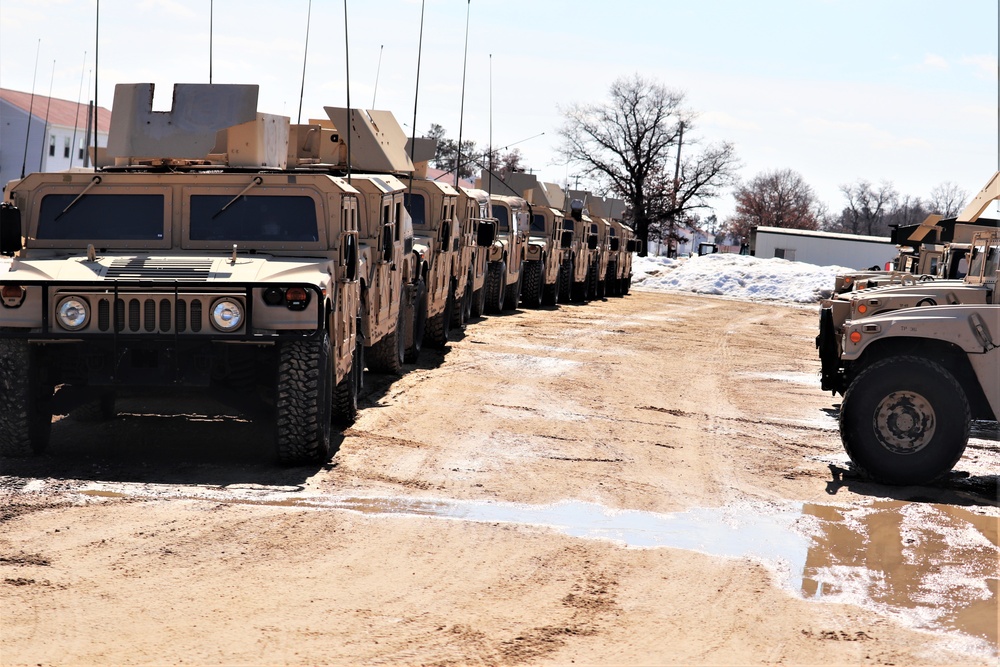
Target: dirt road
650 480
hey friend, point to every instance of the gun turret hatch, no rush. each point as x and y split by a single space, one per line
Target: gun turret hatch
188 131
378 143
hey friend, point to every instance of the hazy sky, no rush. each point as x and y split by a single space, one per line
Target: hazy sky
898 90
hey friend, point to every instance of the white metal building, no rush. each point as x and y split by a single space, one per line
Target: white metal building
55 131
822 248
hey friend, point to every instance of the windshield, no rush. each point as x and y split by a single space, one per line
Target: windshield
415 205
281 218
503 222
538 223
95 216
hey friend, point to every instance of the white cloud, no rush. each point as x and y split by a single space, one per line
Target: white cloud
986 67
935 62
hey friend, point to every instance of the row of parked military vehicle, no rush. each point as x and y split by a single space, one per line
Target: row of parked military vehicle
222 248
917 356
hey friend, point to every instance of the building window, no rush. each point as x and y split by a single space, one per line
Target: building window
81 148
785 253
52 145
66 142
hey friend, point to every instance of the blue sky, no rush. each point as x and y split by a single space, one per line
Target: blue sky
904 91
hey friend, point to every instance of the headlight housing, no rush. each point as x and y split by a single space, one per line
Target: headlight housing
73 313
227 315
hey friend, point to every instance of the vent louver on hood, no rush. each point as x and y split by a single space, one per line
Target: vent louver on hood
160 268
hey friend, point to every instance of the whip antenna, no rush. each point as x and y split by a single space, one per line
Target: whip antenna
97 43
76 118
378 70
490 188
31 106
45 126
350 111
305 53
416 93
461 112
211 32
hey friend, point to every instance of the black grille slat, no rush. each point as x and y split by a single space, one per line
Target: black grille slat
181 316
119 315
133 315
104 315
149 315
196 316
154 268
164 315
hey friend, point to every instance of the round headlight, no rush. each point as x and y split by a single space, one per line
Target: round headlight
227 315
72 313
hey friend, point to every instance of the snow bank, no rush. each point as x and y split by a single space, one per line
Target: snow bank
737 276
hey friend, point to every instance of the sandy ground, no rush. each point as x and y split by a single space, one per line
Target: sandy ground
650 480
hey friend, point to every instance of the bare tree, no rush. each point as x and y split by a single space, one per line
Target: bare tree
779 198
947 199
867 207
627 143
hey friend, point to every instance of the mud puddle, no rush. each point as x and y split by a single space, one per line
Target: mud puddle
927 566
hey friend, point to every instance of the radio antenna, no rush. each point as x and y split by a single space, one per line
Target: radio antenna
97 43
76 118
350 111
211 32
31 107
305 53
45 126
490 188
416 92
461 111
379 69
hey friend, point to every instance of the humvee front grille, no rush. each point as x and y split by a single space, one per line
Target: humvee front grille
142 314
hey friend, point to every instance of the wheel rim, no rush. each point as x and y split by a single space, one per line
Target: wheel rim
904 422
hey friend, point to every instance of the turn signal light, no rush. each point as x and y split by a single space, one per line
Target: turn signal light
296 298
12 295
862 309
855 336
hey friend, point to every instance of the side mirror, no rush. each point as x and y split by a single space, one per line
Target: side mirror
10 229
486 234
592 241
615 244
631 245
446 234
567 239
386 243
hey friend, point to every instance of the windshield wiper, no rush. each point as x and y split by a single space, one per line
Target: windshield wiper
257 180
96 180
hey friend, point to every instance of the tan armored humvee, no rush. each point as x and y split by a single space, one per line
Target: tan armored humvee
192 258
618 279
581 254
549 247
913 378
393 287
477 222
507 254
838 312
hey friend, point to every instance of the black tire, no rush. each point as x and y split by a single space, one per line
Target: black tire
566 281
479 302
512 293
592 283
461 314
496 273
531 292
25 401
419 323
611 281
304 401
439 326
904 420
626 285
550 293
345 394
387 355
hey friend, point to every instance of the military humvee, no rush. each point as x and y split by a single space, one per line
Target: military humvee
549 241
975 288
507 254
583 271
393 272
477 223
192 258
913 378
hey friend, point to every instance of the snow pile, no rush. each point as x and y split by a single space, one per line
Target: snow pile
737 276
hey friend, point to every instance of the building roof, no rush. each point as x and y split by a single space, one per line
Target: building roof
824 235
59 112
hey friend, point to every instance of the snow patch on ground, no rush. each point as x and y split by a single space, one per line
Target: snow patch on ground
737 276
